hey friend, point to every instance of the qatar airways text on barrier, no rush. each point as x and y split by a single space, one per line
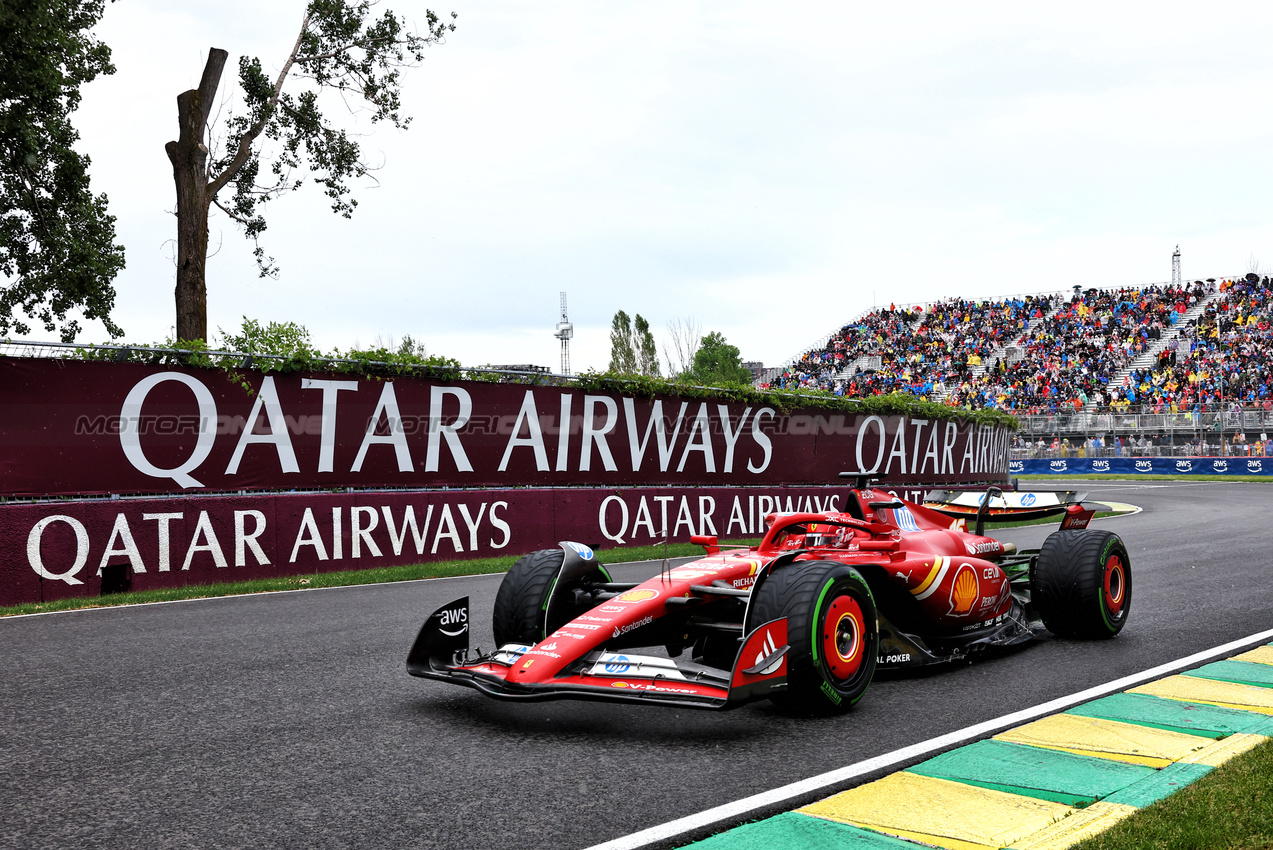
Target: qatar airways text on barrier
52 550
79 428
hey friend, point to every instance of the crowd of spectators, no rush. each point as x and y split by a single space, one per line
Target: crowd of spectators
1069 358
876 333
1225 358
917 351
1059 352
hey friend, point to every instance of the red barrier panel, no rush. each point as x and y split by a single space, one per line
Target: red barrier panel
74 427
56 550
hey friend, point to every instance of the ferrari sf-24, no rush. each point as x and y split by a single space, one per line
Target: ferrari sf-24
805 619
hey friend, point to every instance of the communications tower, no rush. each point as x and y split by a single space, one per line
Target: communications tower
565 331
1175 268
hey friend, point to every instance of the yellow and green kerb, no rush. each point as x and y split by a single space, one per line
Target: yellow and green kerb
1048 784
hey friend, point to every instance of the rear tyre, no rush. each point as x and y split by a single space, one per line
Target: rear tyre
523 610
831 629
1081 584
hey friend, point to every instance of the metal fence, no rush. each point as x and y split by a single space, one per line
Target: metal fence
1246 419
1199 449
1236 431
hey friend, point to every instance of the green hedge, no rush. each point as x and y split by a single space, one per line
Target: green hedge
386 363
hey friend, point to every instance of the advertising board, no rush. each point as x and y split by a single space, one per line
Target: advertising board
80 428
1133 466
217 475
56 550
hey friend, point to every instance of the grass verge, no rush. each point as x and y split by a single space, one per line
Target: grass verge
345 578
1228 809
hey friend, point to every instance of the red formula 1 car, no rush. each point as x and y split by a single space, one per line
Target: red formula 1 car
804 619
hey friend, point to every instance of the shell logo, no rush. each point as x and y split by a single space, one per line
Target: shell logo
638 595
618 684
964 591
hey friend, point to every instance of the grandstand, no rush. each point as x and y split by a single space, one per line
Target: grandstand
1161 368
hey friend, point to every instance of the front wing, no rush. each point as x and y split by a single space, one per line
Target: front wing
999 506
760 669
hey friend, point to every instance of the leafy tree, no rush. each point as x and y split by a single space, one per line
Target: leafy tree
623 358
718 362
57 242
632 348
341 49
647 353
292 341
289 339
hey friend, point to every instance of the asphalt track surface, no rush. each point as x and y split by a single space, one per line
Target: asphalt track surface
288 720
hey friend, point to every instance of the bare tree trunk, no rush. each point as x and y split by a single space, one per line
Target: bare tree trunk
687 335
189 157
189 174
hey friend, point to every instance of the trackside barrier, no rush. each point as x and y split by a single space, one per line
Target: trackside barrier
56 550
1143 466
215 475
77 428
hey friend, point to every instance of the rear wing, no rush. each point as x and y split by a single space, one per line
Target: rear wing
995 505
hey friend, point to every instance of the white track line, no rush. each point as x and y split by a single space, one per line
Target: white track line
1121 509
130 605
739 809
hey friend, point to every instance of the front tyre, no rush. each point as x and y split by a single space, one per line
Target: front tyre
832 631
1081 584
529 606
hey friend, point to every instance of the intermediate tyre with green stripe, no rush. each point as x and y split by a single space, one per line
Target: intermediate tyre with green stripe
1081 584
831 629
528 606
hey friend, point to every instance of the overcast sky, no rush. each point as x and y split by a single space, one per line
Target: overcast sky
770 170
